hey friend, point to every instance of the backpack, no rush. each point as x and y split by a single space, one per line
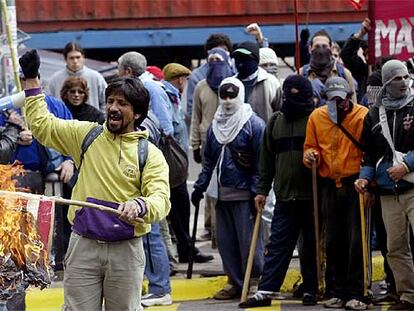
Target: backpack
176 158
95 132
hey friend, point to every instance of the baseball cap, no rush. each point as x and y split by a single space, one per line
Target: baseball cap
248 48
337 87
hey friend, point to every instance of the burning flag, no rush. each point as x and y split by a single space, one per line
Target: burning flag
25 236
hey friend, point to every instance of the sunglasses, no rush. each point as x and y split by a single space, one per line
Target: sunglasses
74 91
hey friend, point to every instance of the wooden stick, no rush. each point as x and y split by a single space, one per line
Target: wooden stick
316 224
251 257
66 201
364 242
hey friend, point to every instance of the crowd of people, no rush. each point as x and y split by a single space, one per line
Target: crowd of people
256 136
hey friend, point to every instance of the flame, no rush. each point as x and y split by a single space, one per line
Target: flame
19 237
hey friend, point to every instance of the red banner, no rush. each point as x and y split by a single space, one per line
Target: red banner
357 4
392 29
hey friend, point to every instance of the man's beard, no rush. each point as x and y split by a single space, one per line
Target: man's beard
117 117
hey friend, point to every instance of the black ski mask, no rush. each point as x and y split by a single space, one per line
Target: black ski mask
246 66
297 98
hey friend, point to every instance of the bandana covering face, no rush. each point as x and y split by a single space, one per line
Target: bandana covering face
218 70
321 62
270 68
231 115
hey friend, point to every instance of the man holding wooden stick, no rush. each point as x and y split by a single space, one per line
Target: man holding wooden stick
388 130
281 164
105 258
332 136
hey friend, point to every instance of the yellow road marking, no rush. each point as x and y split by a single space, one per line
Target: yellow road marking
173 307
276 306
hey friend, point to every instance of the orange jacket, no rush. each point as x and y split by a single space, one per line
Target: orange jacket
338 156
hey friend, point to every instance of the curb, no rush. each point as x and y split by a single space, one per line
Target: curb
200 288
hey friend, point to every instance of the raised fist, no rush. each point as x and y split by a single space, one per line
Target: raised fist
304 35
30 63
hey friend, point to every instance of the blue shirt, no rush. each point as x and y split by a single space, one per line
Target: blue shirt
34 156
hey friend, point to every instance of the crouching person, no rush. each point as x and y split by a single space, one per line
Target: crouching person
231 159
105 258
281 164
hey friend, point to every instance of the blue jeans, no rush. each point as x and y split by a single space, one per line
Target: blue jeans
289 219
159 278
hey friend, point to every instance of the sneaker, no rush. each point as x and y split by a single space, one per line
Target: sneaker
228 293
334 303
156 300
402 305
309 299
257 300
355 304
386 298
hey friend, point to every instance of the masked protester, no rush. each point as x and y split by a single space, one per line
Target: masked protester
263 90
205 103
215 40
332 136
282 166
321 63
323 66
268 61
219 68
394 106
230 174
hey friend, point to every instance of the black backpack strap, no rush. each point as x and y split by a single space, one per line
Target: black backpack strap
350 137
142 160
88 140
142 155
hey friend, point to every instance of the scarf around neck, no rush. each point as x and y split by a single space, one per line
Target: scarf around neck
227 127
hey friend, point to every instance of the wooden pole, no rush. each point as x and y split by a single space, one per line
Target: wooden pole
363 242
316 224
251 256
66 201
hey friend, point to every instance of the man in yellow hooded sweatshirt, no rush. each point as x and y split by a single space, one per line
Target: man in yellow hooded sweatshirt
105 258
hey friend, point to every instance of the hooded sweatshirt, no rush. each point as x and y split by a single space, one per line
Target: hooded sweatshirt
282 148
110 169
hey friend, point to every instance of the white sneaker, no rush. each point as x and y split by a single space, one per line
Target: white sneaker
156 300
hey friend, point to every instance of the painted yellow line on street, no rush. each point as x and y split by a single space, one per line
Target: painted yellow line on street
196 289
173 307
276 306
